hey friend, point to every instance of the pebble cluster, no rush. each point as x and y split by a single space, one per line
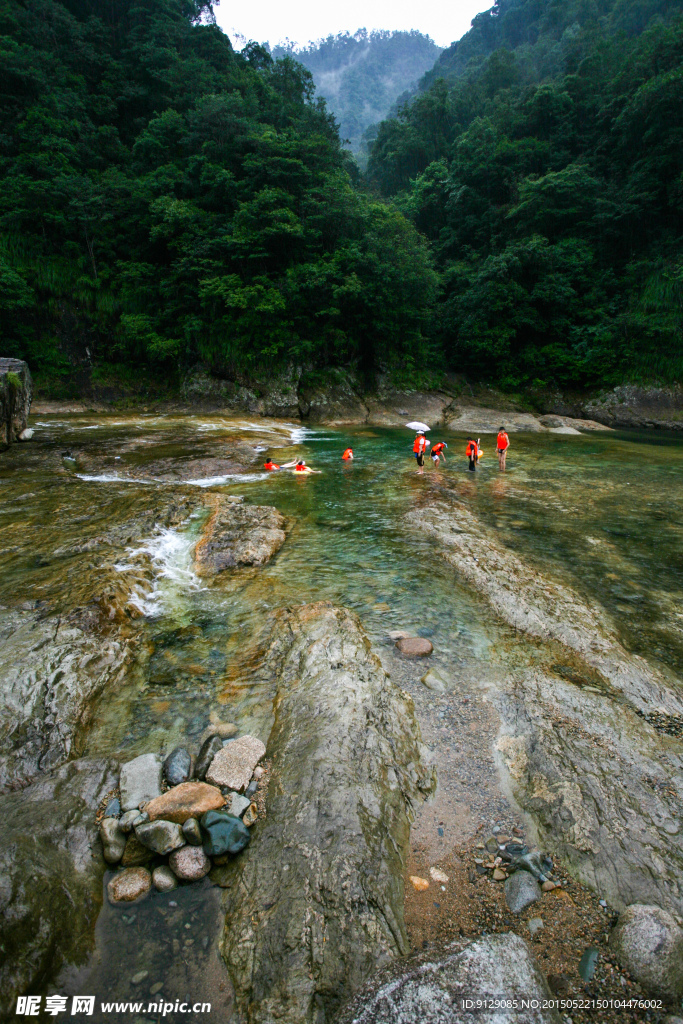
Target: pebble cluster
663 721
174 819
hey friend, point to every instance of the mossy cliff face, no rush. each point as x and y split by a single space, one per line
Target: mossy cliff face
317 899
16 390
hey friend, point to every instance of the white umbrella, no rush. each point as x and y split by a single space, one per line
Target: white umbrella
416 425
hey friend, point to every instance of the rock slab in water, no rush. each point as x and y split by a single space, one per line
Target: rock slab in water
415 646
113 840
50 875
223 833
163 879
429 989
160 836
234 764
129 885
208 750
649 945
189 864
140 781
328 863
16 391
238 535
521 890
177 766
189 800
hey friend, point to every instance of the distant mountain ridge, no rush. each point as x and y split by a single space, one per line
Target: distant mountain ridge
361 76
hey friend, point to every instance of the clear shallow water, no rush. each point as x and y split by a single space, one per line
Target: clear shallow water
601 512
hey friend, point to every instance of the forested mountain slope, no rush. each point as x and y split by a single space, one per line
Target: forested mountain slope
361 76
543 159
164 199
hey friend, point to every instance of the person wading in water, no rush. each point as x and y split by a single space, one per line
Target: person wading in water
502 444
419 449
472 453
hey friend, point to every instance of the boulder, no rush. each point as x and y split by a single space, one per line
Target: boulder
50 875
521 890
113 840
163 879
189 800
238 535
328 860
129 885
649 945
140 781
233 765
160 836
209 748
177 766
135 853
16 391
476 420
430 988
192 832
391 408
223 833
414 646
189 864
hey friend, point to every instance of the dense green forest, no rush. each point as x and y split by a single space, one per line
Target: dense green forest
362 76
543 159
165 200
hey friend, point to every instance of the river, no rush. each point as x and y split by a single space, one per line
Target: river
599 512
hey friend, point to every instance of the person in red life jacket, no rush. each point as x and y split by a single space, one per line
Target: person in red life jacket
502 444
438 452
301 467
348 455
472 453
269 464
419 448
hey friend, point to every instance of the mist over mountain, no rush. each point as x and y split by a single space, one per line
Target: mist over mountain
361 76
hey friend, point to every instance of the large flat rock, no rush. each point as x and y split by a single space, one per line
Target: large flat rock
51 870
238 535
576 745
499 970
319 904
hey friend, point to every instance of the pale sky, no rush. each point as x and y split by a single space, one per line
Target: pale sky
274 21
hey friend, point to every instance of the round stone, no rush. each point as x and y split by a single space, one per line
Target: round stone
415 646
189 864
163 878
129 885
177 766
649 944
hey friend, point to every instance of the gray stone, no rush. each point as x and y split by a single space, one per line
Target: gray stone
251 788
588 963
238 804
140 976
233 765
521 890
129 885
535 924
163 879
192 832
332 857
649 945
434 681
160 836
113 808
140 818
238 535
177 766
140 781
127 819
208 751
49 875
113 840
190 864
429 988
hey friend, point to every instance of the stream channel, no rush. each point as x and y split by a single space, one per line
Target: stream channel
598 512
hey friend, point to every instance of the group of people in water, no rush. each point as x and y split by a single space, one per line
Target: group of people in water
473 453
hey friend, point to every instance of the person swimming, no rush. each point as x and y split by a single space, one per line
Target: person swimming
348 455
269 464
301 467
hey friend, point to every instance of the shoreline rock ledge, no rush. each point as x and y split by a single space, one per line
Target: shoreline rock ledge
316 902
16 391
